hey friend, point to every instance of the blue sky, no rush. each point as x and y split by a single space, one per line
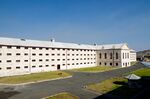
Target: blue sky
78 21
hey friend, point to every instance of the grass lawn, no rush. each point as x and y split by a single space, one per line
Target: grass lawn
118 86
107 85
63 95
95 69
142 72
33 77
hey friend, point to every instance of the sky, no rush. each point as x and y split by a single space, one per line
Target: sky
78 21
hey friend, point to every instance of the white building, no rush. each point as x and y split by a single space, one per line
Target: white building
21 56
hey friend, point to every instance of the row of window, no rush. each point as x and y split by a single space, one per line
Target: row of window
40 54
108 64
18 67
40 60
40 48
125 55
111 56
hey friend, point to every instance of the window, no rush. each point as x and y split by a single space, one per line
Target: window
8 54
72 54
110 55
47 48
63 59
53 59
47 59
0 54
8 61
0 68
0 61
77 59
72 59
33 54
53 65
25 54
17 60
33 60
18 47
110 64
40 48
68 59
25 66
0 46
33 66
25 47
77 54
40 65
53 48
8 68
72 63
116 55
18 67
58 54
84 58
40 60
63 54
100 63
77 63
105 64
63 49
40 54
123 55
68 54
47 54
9 47
33 48
18 54
58 49
58 59
47 65
105 55
53 54
63 64
116 64
100 55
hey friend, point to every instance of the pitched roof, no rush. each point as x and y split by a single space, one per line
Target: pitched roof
38 43
133 77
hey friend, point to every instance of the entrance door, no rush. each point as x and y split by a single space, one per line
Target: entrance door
58 67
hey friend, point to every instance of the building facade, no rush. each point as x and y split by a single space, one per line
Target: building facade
21 56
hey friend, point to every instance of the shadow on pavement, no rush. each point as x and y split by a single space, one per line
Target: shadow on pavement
6 95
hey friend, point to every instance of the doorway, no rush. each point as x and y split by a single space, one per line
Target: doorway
58 67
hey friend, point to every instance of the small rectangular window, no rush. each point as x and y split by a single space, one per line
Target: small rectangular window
8 61
9 54
33 66
53 54
58 59
53 59
33 48
40 66
18 67
25 60
0 61
47 65
40 48
58 54
25 66
33 60
63 54
33 54
47 48
9 47
18 54
40 54
8 68
17 60
18 47
0 54
47 59
25 47
40 60
47 54
25 54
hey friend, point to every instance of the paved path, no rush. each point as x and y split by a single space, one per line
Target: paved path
73 85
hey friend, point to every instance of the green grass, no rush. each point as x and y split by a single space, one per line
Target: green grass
106 85
33 77
120 89
63 95
95 69
142 72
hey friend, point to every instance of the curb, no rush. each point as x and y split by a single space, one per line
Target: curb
37 81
